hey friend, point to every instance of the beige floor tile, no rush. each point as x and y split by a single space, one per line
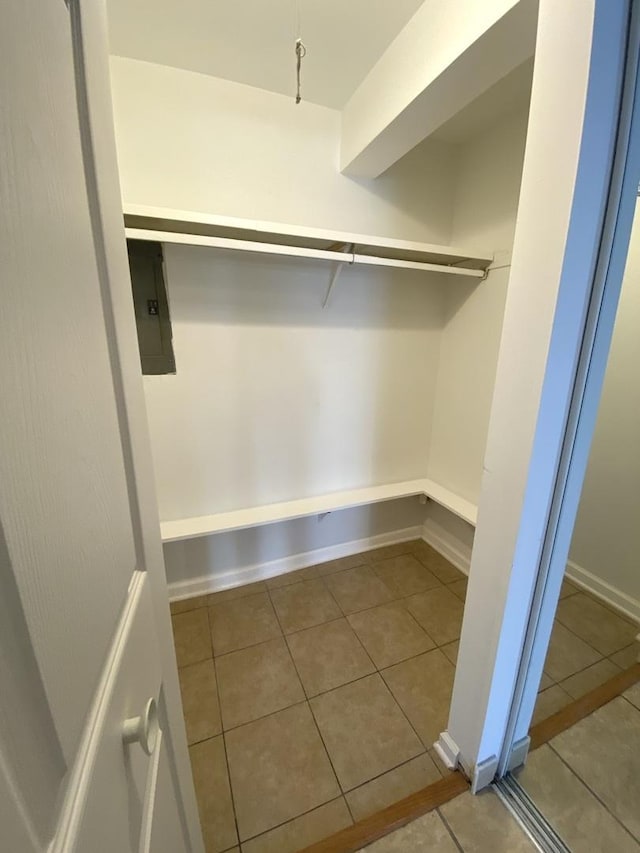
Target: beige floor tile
303 831
404 575
439 612
436 563
191 636
387 551
451 651
545 681
236 592
627 657
481 824
242 622
567 589
200 701
549 702
279 770
459 588
603 751
186 604
340 565
590 678
328 656
567 654
422 686
364 730
426 834
392 786
595 624
257 681
209 768
633 695
289 578
578 817
303 605
357 589
390 634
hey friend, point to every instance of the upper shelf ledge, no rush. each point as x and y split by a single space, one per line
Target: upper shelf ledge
179 226
240 519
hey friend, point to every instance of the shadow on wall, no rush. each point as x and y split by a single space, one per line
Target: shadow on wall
215 556
412 184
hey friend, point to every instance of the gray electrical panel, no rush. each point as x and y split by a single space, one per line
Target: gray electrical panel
151 307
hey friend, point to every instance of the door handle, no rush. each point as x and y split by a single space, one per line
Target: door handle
143 729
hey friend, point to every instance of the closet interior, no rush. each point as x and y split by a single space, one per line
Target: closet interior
318 451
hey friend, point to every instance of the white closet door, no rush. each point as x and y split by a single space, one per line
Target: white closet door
78 629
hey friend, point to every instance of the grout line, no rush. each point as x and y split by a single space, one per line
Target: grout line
224 741
330 689
315 722
449 830
587 786
382 678
291 819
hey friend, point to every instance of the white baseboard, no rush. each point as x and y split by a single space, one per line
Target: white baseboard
452 548
261 571
620 601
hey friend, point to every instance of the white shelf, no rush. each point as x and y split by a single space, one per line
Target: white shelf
178 226
240 519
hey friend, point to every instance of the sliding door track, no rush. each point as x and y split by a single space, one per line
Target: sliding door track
525 811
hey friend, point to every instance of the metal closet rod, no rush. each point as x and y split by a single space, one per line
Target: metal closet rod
340 257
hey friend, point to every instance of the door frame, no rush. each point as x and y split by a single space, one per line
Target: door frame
585 401
91 61
574 124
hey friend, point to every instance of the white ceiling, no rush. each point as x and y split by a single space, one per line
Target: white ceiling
252 41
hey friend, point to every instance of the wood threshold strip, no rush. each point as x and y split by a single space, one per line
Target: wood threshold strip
582 707
377 825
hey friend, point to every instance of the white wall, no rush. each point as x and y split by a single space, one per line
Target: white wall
275 398
216 562
606 538
488 171
193 142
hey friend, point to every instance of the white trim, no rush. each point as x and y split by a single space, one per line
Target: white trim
483 774
79 782
190 528
196 222
448 750
261 571
295 251
620 601
91 55
519 753
452 548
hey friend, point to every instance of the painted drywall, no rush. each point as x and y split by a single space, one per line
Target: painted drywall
488 172
275 398
445 57
227 559
606 537
193 142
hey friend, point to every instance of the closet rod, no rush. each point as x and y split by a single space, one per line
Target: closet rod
293 251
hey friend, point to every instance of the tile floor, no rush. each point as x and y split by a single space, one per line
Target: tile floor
479 824
586 781
313 699
590 643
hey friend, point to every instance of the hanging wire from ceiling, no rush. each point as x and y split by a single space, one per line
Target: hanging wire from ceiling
301 52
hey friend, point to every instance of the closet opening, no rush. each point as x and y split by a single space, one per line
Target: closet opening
337 293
